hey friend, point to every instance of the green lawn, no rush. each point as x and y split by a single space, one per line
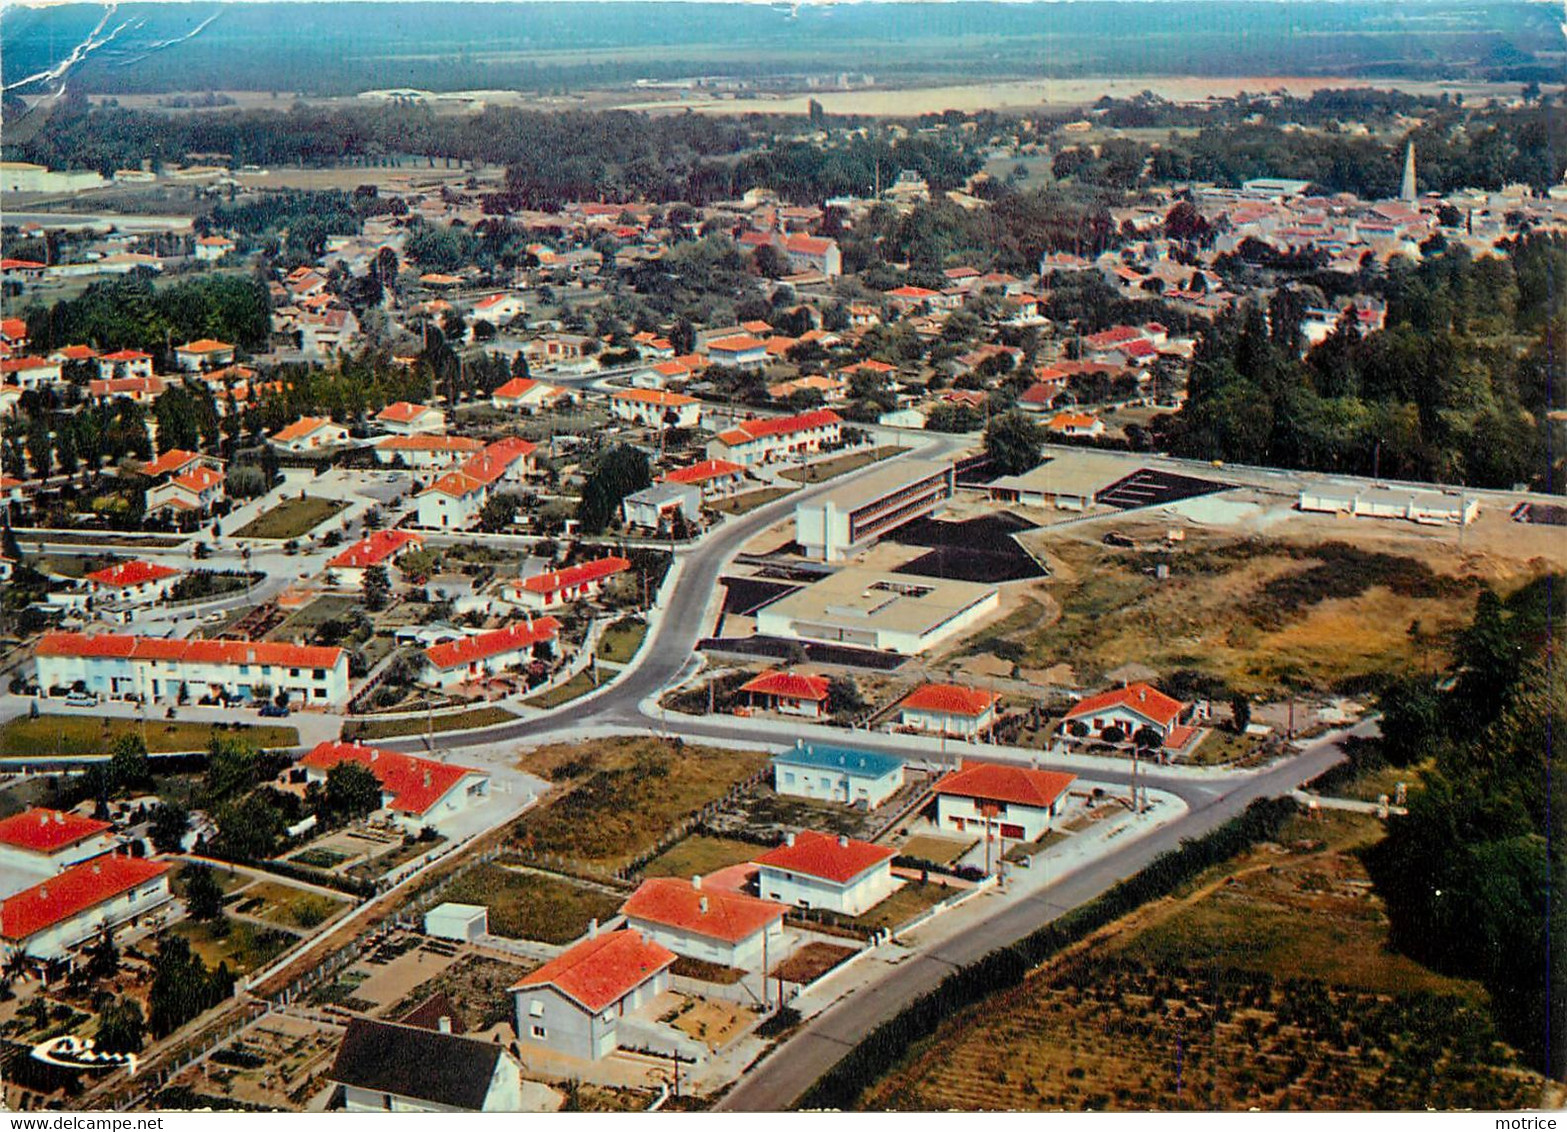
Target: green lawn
840 465
936 850
749 501
579 685
291 518
366 729
699 855
526 905
620 642
244 947
902 906
287 906
89 734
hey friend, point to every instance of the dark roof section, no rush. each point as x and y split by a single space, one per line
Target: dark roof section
420 1064
428 1014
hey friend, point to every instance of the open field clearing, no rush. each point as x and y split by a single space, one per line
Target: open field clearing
620 642
748 501
531 905
840 465
622 795
89 734
365 730
699 855
1265 983
292 518
1257 614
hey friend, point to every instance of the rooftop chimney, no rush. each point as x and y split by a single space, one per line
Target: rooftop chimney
843 841
443 1024
696 881
789 839
703 905
59 818
593 928
426 780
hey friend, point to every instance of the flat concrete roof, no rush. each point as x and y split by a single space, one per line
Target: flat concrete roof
880 601
1076 474
881 481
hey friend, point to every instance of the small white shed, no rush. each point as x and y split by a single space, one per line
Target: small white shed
462 922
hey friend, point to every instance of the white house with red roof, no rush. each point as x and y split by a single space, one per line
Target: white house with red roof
379 548
574 1003
125 363
13 333
203 353
948 709
789 693
1076 424
738 351
500 308
711 924
193 492
566 585
213 248
44 841
117 666
427 453
455 501
47 920
134 581
415 792
309 434
716 479
404 418
30 372
1001 800
1130 709
656 408
526 393
767 439
142 390
818 870
487 654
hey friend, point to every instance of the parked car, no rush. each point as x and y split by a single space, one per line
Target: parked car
81 699
274 711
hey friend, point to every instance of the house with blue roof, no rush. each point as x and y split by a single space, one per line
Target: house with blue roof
837 774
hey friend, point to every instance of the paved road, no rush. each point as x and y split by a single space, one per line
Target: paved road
782 1078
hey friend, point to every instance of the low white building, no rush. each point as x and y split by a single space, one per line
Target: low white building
42 841
817 870
566 585
1433 508
837 774
868 609
487 654
711 924
656 408
113 666
769 439
404 418
1018 803
415 792
427 453
379 548
202 354
660 503
309 434
948 709
388 1067
53 916
846 520
132 583
464 923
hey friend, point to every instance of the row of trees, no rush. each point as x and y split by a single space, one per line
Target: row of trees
130 313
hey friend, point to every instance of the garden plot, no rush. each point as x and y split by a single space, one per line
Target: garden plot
475 985
527 903
280 1063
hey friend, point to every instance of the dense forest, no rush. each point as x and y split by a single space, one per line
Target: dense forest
1469 875
1456 389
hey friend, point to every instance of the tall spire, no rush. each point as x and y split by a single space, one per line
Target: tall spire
1407 192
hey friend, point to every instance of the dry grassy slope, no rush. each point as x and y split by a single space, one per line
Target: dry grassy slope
1225 608
1189 1004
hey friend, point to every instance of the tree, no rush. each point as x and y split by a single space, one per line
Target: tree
121 1027
203 897
498 513
129 766
170 823
615 474
1014 443
1240 712
103 958
1148 738
352 791
843 696
1115 733
183 987
377 588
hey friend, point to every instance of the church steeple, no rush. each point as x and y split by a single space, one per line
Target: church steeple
1407 192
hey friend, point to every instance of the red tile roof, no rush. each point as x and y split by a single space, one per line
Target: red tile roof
203 346
518 635
78 353
73 891
205 652
736 344
423 443
304 426
48 831
840 860
13 329
132 573
557 580
997 782
1146 701
403 412
779 426
790 685
375 548
171 461
415 784
17 365
676 903
949 699
700 473
597 973
1115 336
654 397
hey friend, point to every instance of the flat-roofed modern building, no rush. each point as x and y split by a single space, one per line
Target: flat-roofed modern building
869 609
843 522
1068 483
1428 507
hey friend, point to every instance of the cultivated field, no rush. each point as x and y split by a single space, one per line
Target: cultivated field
525 904
1265 984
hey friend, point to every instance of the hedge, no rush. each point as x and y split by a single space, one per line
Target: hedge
1005 967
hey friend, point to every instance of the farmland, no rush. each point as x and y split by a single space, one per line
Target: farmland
1265 984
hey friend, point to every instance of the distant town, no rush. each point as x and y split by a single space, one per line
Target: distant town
475 645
